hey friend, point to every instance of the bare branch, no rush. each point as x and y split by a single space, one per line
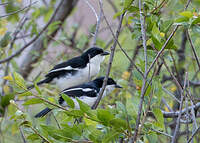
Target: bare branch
183 111
17 11
34 39
143 31
110 60
193 48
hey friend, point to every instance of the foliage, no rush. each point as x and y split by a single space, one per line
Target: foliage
115 119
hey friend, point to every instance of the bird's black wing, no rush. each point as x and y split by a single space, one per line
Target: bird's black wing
69 67
81 90
78 91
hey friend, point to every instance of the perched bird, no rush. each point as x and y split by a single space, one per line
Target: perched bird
87 93
77 70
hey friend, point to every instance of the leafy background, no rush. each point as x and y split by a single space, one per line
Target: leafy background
115 120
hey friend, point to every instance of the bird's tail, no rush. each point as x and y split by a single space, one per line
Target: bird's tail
42 113
46 80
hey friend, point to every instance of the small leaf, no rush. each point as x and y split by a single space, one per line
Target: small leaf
8 77
159 117
104 115
19 80
127 4
75 113
187 14
33 137
68 100
37 88
196 21
83 106
33 101
118 123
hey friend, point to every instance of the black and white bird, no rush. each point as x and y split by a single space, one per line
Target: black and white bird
87 93
77 70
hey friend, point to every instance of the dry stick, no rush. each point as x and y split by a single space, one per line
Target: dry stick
180 112
142 22
193 48
97 25
111 58
196 131
42 137
165 44
173 96
157 131
5 3
22 135
17 11
183 111
34 39
159 6
56 120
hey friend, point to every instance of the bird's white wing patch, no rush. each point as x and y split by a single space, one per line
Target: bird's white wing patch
83 89
65 68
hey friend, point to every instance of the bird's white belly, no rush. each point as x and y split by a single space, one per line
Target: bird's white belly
78 78
88 100
70 81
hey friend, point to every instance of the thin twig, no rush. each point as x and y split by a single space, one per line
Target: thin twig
143 31
97 25
110 60
183 111
167 135
196 131
92 8
180 112
193 48
22 135
56 120
17 11
37 133
35 38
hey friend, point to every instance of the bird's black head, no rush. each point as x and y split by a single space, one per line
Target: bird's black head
94 51
110 81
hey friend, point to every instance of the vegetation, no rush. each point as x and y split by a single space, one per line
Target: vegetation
154 56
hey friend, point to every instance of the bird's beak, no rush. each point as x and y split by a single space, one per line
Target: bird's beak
105 53
117 86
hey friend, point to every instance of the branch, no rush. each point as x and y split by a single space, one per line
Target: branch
193 48
143 31
97 25
183 111
17 11
30 58
34 39
110 60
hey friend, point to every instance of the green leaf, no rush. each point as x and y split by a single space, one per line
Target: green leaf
75 113
181 20
152 137
196 21
118 123
33 101
33 137
68 100
127 4
53 26
37 88
159 117
156 42
19 80
104 115
26 93
110 136
83 106
5 40
187 14
155 32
